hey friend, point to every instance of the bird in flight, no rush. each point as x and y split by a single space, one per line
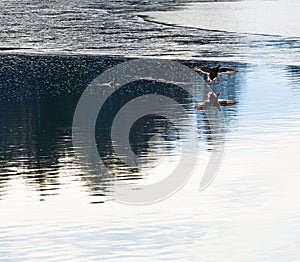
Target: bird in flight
213 72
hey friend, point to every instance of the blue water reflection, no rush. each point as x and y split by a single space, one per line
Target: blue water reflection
38 100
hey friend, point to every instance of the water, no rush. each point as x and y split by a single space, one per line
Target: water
122 28
54 209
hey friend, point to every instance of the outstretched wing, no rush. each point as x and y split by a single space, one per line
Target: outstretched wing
227 70
204 70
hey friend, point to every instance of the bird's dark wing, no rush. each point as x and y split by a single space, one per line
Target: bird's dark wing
204 70
227 70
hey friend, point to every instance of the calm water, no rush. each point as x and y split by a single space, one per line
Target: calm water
55 209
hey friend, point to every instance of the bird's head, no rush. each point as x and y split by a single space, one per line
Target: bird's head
216 68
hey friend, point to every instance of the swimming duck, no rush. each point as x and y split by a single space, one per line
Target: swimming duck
213 72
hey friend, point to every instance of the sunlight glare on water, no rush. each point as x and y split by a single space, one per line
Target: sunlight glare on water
251 17
264 29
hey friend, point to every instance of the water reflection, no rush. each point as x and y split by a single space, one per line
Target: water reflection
38 99
292 73
33 139
144 128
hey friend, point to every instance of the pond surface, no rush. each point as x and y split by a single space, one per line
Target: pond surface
54 208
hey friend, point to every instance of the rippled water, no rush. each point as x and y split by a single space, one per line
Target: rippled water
55 209
126 28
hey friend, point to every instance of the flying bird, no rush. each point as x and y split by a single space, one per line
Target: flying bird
213 72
